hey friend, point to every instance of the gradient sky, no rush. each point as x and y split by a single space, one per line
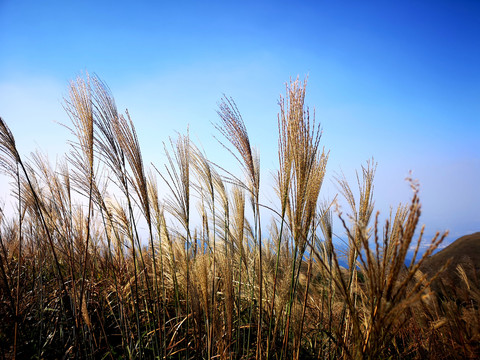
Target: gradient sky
399 82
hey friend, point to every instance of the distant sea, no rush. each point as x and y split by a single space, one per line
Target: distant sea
341 246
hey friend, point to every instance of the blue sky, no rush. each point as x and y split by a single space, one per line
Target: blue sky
399 82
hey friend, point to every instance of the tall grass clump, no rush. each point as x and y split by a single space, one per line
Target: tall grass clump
105 256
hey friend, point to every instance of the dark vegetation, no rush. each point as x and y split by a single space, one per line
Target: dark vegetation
77 279
464 252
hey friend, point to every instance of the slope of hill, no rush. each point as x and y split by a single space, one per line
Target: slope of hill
464 251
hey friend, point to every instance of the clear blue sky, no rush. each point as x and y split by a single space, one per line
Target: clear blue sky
399 82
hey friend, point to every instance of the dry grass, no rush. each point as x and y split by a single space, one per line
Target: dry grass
79 280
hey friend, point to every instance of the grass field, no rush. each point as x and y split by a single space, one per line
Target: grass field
80 280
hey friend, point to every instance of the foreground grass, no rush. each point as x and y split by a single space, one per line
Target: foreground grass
78 280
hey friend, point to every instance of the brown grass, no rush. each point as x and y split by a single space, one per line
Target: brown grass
79 280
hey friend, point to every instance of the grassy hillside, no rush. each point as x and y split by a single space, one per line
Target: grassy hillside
463 253
78 280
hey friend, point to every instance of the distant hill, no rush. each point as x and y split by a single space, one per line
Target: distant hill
464 251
